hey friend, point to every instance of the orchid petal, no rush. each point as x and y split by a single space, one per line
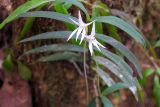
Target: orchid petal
100 44
80 17
72 34
74 21
90 48
93 30
78 32
83 35
95 44
90 22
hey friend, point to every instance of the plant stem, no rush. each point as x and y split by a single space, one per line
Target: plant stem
153 61
96 92
98 85
85 74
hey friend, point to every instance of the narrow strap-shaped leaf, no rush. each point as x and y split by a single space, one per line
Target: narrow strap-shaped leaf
115 69
117 60
22 9
122 25
132 83
78 4
29 23
35 3
120 47
105 77
113 88
49 14
106 102
61 9
61 56
56 47
104 11
95 13
48 35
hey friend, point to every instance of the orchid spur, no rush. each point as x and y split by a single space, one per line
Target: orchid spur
81 28
92 40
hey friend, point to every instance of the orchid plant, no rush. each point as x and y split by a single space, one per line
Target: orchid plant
71 52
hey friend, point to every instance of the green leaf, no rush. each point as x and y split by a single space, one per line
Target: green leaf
113 32
48 35
113 88
24 71
158 71
156 81
122 25
35 3
8 63
127 79
67 5
157 44
61 9
156 91
120 47
61 56
56 47
104 11
78 4
49 14
148 72
105 77
106 102
95 13
28 24
22 9
118 71
117 60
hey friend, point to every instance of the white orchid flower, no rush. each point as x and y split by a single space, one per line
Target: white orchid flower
92 40
81 28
